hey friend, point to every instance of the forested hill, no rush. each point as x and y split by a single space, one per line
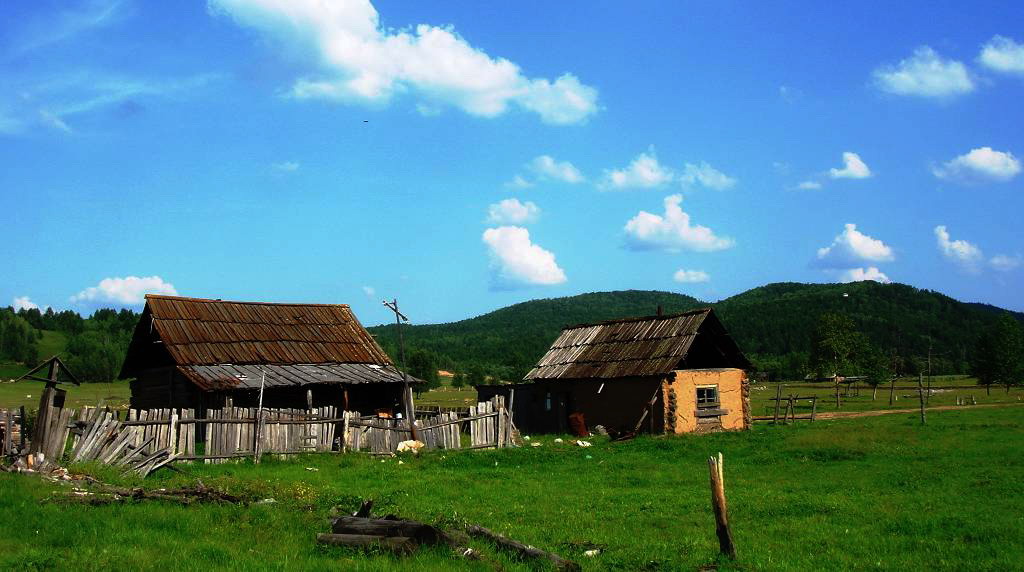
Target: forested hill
510 340
772 324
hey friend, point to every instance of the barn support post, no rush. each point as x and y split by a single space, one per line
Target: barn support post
716 468
258 429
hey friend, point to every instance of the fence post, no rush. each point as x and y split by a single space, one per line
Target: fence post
920 395
8 425
722 529
172 433
778 402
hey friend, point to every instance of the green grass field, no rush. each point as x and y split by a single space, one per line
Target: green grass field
27 393
870 493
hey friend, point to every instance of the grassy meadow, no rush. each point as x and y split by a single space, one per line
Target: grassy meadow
867 493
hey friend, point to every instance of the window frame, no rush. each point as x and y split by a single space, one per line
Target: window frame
706 404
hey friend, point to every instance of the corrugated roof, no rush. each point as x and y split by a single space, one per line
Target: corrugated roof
199 331
224 344
631 347
234 376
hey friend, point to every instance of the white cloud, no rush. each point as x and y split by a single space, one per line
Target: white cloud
672 232
809 186
690 276
546 167
511 211
1002 54
518 182
925 74
286 166
851 248
516 261
363 61
960 251
862 274
67 22
853 168
980 165
128 291
53 120
370 291
24 303
706 176
643 173
1004 263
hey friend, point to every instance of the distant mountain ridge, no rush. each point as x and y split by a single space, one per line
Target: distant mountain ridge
768 321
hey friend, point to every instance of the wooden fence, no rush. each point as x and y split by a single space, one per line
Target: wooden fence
12 431
143 440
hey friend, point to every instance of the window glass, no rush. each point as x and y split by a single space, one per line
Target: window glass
707 396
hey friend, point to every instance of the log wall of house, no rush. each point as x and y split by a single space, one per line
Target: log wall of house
163 387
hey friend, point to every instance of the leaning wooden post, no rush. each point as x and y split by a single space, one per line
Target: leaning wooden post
920 395
258 425
716 468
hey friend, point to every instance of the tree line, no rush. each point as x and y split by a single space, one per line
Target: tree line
95 346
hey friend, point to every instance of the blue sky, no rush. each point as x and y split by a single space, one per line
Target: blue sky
464 158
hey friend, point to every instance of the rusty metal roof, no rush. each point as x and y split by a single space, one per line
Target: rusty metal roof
211 342
632 347
234 376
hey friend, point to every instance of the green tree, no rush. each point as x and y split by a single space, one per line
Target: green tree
459 380
835 347
874 365
999 356
476 375
423 364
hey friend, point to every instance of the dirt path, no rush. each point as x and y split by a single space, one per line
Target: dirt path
853 414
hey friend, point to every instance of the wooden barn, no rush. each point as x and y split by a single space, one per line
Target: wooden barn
663 374
202 354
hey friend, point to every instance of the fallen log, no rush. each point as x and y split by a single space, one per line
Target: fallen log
421 533
397 544
101 494
521 549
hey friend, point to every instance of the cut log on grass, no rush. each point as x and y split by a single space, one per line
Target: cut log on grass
521 549
421 533
396 544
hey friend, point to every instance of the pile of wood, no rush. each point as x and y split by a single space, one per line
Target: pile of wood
400 536
106 440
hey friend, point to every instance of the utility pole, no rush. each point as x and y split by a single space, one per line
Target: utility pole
410 413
